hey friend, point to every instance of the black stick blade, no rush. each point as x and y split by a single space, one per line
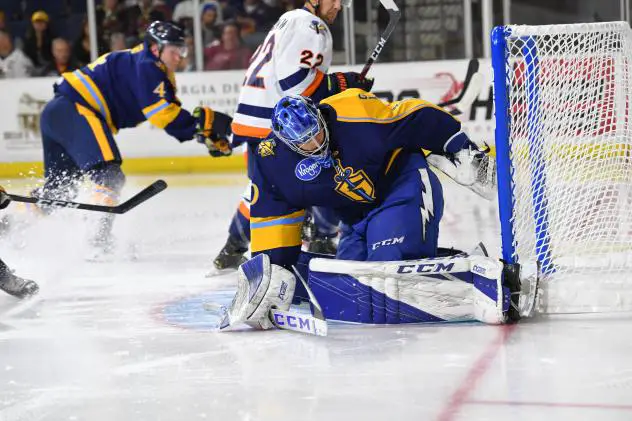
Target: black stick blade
146 194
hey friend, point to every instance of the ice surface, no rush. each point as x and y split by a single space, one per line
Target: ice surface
132 339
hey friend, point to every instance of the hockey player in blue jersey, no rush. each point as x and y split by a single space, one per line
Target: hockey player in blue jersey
363 158
117 91
293 59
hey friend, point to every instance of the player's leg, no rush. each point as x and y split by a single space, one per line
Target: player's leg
88 142
62 175
232 254
14 285
406 225
352 245
323 230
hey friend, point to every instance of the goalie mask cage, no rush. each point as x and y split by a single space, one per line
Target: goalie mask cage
564 144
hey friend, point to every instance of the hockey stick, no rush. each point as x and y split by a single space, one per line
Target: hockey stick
471 88
147 193
393 17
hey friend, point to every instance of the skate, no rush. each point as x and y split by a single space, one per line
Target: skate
16 286
229 258
323 245
102 244
101 249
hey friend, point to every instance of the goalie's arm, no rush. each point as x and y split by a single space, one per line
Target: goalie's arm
431 128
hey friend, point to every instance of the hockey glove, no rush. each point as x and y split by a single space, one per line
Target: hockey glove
4 198
213 130
343 81
472 167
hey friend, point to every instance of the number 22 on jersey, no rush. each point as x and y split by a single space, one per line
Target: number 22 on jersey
262 56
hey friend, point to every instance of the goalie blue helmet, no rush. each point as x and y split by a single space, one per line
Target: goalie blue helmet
296 121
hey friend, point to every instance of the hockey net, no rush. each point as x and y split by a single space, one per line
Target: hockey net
569 168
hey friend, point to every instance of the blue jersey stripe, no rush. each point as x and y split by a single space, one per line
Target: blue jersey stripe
94 94
255 111
157 109
282 221
294 79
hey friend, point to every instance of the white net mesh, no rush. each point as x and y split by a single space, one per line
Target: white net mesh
571 161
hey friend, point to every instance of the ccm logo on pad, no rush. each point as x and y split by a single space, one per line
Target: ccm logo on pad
478 269
388 242
425 268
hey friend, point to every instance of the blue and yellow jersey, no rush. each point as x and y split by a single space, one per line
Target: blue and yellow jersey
128 87
371 143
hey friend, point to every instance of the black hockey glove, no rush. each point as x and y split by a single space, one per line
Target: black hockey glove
213 130
4 198
343 81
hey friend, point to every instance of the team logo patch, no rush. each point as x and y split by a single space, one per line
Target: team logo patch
354 184
307 170
266 148
318 27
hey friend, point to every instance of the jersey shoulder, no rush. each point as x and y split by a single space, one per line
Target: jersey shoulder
301 21
357 106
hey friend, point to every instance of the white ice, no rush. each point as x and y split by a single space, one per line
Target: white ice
130 339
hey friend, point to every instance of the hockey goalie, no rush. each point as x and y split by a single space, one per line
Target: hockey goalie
365 159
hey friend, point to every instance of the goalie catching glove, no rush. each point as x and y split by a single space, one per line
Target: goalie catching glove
213 130
472 167
261 287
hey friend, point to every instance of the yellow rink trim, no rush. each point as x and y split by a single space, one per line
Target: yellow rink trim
139 166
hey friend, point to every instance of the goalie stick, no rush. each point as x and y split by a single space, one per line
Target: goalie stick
297 322
393 17
147 193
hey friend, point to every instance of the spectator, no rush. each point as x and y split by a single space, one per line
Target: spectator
188 63
111 17
3 21
144 13
81 46
228 10
210 19
228 54
38 40
117 41
13 62
289 5
256 16
62 59
184 12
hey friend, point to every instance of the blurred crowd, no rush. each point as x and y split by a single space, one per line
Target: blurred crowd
49 37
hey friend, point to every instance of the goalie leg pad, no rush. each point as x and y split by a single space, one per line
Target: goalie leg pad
412 291
261 286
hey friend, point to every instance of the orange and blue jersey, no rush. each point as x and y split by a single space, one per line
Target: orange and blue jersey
126 88
373 146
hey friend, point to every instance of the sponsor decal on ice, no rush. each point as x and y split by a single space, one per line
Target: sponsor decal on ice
307 169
